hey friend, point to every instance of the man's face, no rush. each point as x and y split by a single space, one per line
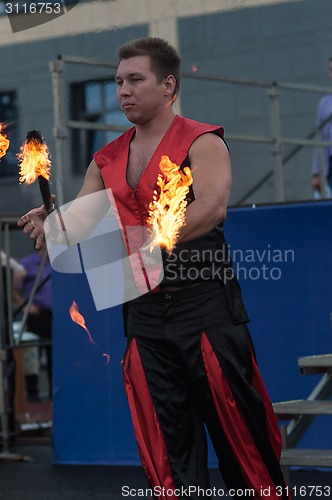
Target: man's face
140 96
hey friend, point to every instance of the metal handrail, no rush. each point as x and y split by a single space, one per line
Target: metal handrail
275 139
290 155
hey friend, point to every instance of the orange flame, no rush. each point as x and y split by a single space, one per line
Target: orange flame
77 317
34 160
4 142
167 211
194 68
171 101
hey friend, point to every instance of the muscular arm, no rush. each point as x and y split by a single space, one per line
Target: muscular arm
212 180
88 208
81 217
93 181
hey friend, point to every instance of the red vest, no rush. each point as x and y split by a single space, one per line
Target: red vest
132 209
132 204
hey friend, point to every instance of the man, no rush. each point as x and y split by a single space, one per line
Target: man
39 319
189 360
14 267
323 156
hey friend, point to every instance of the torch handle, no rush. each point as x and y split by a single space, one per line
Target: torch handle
46 193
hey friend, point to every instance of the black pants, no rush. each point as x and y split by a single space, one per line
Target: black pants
187 365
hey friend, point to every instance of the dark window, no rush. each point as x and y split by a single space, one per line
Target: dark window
95 102
8 118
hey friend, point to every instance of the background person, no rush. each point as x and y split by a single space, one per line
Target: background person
323 155
15 267
39 319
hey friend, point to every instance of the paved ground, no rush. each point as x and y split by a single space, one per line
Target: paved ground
39 480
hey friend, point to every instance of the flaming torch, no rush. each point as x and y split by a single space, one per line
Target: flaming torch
35 163
4 142
78 318
167 210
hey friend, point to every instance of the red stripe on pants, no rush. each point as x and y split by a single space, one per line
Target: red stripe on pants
151 444
234 426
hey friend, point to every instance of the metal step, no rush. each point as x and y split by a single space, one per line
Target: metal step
306 458
287 410
315 364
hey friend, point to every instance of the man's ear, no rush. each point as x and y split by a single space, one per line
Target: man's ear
169 85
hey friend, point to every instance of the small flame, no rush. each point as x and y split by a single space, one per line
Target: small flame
171 101
167 211
4 142
34 160
77 317
194 68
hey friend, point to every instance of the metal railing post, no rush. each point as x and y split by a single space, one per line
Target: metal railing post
4 420
60 130
8 291
273 94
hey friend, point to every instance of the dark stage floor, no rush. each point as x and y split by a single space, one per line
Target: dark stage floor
39 480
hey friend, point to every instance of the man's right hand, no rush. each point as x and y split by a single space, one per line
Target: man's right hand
33 223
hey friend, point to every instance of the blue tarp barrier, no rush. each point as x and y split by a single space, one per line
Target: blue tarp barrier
282 256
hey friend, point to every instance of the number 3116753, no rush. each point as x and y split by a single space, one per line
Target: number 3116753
33 8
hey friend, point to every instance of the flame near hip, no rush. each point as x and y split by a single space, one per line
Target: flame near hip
167 210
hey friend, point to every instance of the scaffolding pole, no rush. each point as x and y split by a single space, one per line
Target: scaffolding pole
273 94
60 131
3 367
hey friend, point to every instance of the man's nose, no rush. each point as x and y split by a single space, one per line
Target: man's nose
125 89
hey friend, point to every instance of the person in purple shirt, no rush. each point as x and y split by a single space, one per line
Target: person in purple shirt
39 320
324 110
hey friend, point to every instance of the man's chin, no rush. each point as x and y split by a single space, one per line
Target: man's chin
136 120
130 117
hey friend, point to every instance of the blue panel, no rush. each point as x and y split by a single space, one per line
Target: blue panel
91 422
283 257
290 316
